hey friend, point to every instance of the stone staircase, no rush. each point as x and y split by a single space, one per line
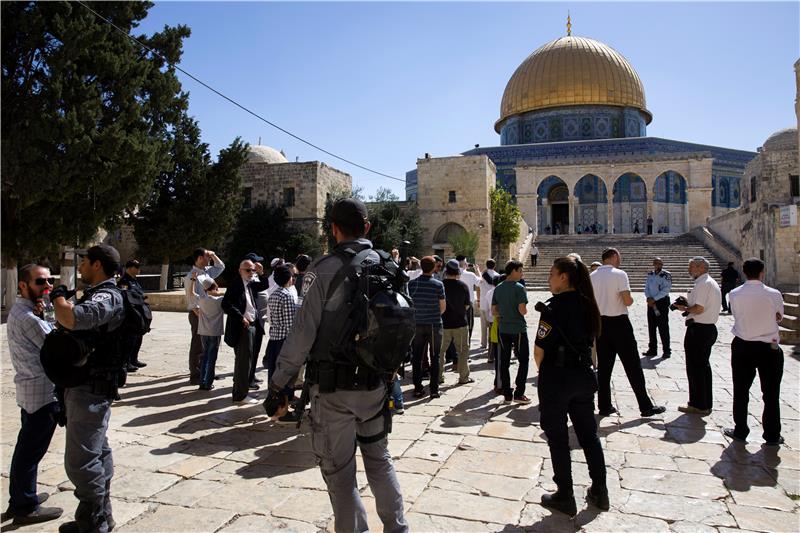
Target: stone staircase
637 256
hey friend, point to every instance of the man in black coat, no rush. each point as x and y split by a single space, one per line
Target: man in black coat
132 343
242 324
730 277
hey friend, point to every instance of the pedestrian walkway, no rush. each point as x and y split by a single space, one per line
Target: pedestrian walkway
188 460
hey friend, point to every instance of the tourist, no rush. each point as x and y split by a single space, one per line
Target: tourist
211 327
282 310
636 226
510 305
438 268
472 280
729 278
262 315
486 286
206 264
701 334
132 343
567 329
239 304
428 296
454 321
613 294
656 289
649 225
756 309
301 263
36 397
534 254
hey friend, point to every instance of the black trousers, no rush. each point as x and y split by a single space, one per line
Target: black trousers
534 257
661 323
747 357
32 443
697 343
519 343
725 289
426 335
257 340
563 392
195 351
616 338
243 357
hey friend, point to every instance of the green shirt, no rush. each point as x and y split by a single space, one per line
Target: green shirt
507 296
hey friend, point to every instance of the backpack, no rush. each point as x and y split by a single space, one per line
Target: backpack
378 317
137 313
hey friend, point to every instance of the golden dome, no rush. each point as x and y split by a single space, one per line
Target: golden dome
572 71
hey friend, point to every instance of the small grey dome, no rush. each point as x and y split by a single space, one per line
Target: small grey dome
785 139
265 154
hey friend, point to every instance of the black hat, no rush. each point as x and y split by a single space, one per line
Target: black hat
104 253
438 259
254 257
132 263
348 211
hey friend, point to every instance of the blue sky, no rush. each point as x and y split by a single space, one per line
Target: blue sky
383 83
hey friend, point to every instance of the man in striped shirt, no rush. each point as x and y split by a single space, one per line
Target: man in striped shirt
427 293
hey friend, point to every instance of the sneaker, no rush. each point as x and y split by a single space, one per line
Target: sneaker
776 442
560 501
655 410
42 514
289 418
419 393
522 399
598 498
607 412
731 434
247 400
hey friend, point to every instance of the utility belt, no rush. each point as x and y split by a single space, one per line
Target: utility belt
567 358
106 381
332 376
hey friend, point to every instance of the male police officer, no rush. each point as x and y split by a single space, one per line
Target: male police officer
87 455
347 402
132 343
656 289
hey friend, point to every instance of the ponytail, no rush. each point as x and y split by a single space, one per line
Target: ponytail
578 276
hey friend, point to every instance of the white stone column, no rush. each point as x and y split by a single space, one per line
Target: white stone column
545 215
610 216
572 202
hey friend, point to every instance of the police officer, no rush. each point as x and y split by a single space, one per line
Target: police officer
656 289
347 402
132 343
569 325
87 455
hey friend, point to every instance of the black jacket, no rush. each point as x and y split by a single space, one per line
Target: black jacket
234 303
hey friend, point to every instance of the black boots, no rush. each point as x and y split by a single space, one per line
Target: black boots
561 500
598 497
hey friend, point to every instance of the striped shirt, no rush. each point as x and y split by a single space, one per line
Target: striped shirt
26 333
425 292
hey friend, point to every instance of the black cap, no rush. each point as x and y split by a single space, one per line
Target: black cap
254 257
348 211
438 259
132 263
104 253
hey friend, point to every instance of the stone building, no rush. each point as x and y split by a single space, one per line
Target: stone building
302 188
575 155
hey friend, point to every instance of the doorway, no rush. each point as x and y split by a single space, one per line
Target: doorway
560 218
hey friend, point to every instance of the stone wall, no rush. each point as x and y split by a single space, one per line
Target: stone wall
470 179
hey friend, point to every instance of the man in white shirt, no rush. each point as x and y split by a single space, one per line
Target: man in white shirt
486 286
701 333
534 254
613 294
472 281
756 309
206 265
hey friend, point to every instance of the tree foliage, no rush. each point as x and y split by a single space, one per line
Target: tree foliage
193 203
465 243
84 116
506 217
392 225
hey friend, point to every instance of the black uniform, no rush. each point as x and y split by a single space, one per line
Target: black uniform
566 386
131 344
729 278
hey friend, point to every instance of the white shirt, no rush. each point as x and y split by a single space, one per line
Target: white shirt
471 281
487 289
535 250
250 308
414 274
754 306
608 282
26 332
706 293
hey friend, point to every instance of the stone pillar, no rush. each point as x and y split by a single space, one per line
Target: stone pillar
545 215
528 208
698 192
610 217
651 197
572 217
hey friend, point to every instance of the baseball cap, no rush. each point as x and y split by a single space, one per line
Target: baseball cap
348 211
104 253
254 257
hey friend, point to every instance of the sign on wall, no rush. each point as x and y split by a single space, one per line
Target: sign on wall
788 216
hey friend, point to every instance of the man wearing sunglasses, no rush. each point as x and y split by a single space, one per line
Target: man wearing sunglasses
35 397
87 454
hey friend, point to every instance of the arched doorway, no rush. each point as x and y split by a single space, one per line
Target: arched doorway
591 216
630 203
443 236
553 205
669 205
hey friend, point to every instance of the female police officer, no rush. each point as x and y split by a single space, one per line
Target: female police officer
567 329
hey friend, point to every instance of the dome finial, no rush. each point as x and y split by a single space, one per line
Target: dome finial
569 25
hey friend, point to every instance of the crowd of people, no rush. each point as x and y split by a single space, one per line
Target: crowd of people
300 306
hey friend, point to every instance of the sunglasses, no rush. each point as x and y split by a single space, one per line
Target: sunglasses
247 269
42 281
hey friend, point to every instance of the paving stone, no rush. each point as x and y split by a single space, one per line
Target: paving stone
311 506
191 467
691 527
539 519
767 497
501 445
675 508
179 519
141 484
767 520
676 483
642 460
614 521
430 523
504 430
494 463
260 523
412 464
468 506
187 493
483 484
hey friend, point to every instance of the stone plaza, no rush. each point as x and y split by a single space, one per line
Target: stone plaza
189 460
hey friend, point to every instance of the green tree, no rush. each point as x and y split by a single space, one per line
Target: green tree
193 203
84 115
392 225
326 239
465 243
506 217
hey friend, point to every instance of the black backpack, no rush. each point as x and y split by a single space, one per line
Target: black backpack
137 313
378 317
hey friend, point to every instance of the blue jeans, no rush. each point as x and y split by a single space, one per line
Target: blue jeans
209 361
32 443
397 393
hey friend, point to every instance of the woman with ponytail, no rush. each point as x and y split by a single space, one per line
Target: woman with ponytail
568 327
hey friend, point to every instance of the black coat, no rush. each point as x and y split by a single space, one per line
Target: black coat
234 303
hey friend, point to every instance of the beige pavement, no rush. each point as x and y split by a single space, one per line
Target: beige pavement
188 460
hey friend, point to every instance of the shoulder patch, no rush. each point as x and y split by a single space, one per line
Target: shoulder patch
100 297
544 330
308 280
